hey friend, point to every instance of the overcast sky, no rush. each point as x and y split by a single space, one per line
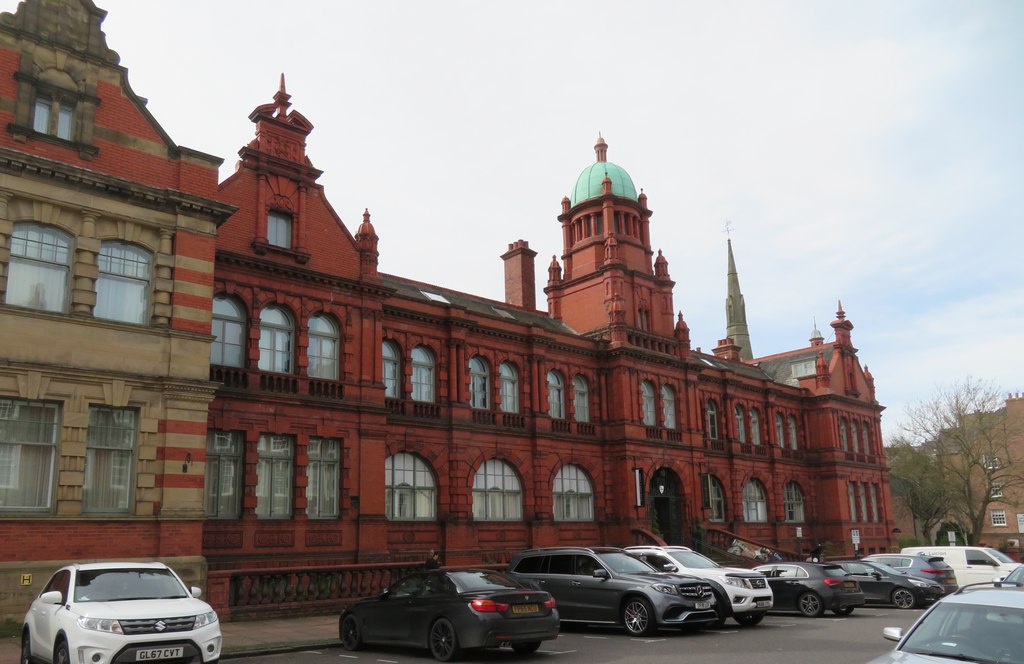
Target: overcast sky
868 152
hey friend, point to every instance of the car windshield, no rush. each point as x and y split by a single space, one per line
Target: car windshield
481 580
693 560
117 585
887 568
937 562
1000 556
973 632
623 563
833 570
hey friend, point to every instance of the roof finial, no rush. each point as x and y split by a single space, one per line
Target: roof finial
601 148
281 99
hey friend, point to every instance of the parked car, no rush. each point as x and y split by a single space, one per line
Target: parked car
451 610
1015 577
744 594
887 585
972 564
97 612
607 585
930 568
811 588
978 623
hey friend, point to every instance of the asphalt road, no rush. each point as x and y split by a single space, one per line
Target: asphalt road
780 638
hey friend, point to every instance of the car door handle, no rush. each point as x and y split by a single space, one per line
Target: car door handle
574 583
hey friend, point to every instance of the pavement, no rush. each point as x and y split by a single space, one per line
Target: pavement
245 638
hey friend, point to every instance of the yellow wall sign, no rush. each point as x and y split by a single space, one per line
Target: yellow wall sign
26 579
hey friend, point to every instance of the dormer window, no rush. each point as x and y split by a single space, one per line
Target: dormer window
279 229
53 117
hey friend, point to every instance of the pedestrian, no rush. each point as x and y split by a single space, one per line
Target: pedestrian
433 560
817 553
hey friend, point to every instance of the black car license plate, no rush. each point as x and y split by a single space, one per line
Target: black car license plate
525 608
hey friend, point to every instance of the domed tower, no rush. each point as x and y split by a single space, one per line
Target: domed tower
607 257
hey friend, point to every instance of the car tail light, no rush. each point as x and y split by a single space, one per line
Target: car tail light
931 570
488 606
830 581
550 604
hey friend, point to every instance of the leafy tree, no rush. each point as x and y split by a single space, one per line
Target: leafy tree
917 481
966 429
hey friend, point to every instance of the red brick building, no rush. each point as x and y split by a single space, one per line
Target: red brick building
321 412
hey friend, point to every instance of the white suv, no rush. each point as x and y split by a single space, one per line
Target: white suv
114 613
750 596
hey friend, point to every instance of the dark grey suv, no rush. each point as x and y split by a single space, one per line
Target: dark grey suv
607 585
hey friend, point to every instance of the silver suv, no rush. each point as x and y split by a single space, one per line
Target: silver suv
608 585
749 595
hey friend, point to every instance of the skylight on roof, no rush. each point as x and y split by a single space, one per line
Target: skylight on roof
801 369
435 297
502 313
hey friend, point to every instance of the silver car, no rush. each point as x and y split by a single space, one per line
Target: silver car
978 623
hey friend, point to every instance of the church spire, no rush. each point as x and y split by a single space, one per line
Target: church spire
736 311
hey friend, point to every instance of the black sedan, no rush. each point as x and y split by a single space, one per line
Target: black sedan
810 588
451 610
887 585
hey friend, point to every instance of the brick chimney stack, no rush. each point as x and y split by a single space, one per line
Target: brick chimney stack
520 282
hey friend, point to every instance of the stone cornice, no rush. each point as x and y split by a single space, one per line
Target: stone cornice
298 274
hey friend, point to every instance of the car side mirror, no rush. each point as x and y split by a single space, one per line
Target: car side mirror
669 567
600 573
892 633
52 597
877 575
384 594
196 592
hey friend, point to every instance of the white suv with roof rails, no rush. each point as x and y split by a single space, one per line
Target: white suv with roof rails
750 596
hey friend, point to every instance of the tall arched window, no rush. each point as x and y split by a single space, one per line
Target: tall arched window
228 347
497 495
867 439
479 383
712 417
741 430
409 488
843 440
122 289
854 440
755 427
392 370
275 340
573 495
668 406
755 506
780 432
792 432
322 352
793 501
40 262
647 403
580 399
422 374
714 498
509 388
556 396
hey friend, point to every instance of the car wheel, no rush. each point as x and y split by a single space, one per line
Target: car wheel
810 605
720 612
526 648
444 643
845 611
748 619
26 648
903 598
348 632
638 617
61 654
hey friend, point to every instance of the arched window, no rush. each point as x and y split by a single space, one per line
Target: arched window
422 374
792 432
497 495
228 347
580 399
479 383
409 488
712 417
843 440
714 498
122 289
867 439
392 370
556 396
755 427
780 433
854 440
323 348
40 263
741 432
275 340
755 506
793 501
573 495
668 406
509 388
647 403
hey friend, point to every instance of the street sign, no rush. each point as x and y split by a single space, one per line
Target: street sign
951 534
855 536
799 532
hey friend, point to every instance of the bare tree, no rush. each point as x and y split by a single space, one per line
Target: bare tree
968 432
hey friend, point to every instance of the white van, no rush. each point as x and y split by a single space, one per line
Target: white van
972 564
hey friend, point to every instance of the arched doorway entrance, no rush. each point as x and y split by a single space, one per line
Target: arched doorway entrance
666 501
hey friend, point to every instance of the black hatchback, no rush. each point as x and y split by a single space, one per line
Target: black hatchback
810 588
887 585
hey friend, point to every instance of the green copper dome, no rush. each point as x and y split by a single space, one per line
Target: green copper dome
588 184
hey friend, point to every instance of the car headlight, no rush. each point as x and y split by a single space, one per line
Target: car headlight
666 588
204 619
919 584
733 581
100 625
